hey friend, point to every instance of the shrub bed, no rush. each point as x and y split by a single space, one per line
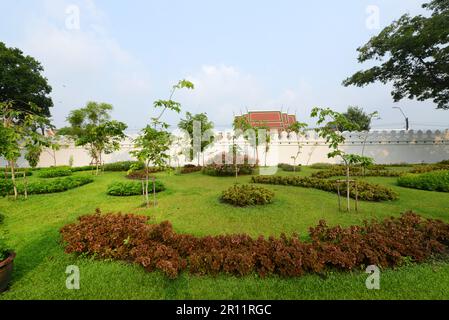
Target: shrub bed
18 174
123 166
355 172
228 170
44 186
140 174
190 168
54 173
431 181
130 238
366 191
289 167
429 168
125 189
247 195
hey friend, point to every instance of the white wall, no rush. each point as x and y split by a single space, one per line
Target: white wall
384 146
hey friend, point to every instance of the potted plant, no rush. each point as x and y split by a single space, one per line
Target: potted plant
6 265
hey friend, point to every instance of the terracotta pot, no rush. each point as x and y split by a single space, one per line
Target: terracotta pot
6 267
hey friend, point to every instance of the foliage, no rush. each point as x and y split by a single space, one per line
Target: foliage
228 170
339 171
358 116
321 165
432 181
22 82
188 168
159 247
247 195
123 166
142 174
5 251
54 173
366 191
289 167
18 173
414 53
205 132
124 189
91 128
45 186
429 168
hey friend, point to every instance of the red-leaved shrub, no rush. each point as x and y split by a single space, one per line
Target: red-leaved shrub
157 247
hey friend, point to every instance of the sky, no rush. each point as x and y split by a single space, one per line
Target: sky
288 55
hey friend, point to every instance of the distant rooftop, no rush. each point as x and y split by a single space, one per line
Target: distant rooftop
276 120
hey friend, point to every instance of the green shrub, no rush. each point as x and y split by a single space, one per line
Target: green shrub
5 187
2 218
141 174
125 189
432 181
123 166
54 185
84 168
429 168
4 250
55 173
247 195
228 170
355 172
289 167
18 174
366 191
320 165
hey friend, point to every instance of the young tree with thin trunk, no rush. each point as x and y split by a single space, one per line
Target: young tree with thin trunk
300 129
330 131
153 144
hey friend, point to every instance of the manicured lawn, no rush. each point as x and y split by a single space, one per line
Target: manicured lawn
191 203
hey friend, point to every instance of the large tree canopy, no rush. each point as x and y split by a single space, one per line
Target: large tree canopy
414 52
22 82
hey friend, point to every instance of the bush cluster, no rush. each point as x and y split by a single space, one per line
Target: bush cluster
247 195
355 172
431 181
429 168
125 189
366 191
55 173
190 168
123 166
228 170
289 167
18 174
321 166
141 175
130 238
44 186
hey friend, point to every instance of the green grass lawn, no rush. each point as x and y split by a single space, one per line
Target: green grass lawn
191 203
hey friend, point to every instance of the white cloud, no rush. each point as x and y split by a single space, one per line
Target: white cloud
85 64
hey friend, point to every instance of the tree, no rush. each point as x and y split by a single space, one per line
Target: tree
188 125
153 144
332 132
91 128
300 129
19 130
252 133
22 82
358 116
414 52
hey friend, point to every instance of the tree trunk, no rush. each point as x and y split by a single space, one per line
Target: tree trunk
154 191
348 192
13 178
25 179
147 177
54 158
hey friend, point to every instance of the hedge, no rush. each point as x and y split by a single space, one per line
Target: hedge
123 166
44 186
131 238
432 181
141 174
54 173
247 195
355 172
125 189
190 168
366 191
289 167
18 174
228 170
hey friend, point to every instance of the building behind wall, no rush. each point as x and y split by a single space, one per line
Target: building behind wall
275 120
